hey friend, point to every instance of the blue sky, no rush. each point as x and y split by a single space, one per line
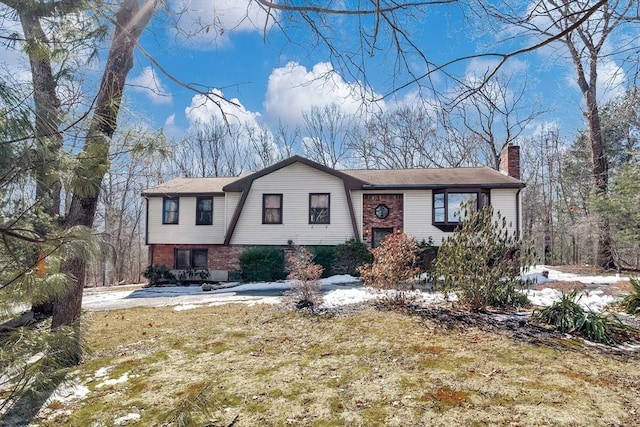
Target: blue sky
273 76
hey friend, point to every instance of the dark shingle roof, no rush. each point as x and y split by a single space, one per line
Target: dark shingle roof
190 186
434 178
356 178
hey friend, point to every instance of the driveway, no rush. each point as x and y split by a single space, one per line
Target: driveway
128 296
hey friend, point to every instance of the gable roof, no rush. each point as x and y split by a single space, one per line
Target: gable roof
241 184
365 179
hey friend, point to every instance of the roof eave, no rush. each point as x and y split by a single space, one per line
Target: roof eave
441 186
183 194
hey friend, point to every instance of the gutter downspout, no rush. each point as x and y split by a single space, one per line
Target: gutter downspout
518 220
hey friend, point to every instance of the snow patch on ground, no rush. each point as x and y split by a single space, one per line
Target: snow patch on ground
69 391
124 420
340 297
349 291
113 381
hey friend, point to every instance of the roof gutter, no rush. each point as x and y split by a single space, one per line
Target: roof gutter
186 194
440 186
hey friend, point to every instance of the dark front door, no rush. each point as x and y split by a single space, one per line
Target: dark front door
378 235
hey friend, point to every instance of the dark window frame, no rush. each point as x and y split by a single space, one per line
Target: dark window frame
165 212
279 209
383 207
375 231
191 257
483 199
328 208
198 211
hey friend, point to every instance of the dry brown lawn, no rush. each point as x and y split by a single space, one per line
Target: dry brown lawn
263 366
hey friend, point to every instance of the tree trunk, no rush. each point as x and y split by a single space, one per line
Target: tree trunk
604 253
588 87
48 141
130 20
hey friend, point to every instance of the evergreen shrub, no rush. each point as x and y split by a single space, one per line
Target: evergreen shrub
481 262
324 256
262 264
350 255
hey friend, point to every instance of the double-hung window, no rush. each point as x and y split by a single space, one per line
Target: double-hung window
186 259
448 205
319 204
170 209
272 208
204 211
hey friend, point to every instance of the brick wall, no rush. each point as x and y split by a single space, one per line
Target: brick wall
220 257
395 204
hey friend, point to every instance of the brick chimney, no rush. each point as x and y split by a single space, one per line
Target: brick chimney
510 160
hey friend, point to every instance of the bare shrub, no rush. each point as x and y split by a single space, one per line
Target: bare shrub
395 267
306 276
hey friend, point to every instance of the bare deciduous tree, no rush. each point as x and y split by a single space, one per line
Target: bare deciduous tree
327 130
495 116
586 38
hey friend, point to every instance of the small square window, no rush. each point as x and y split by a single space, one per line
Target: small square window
170 210
183 258
199 258
319 208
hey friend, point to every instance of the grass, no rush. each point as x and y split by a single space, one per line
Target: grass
247 366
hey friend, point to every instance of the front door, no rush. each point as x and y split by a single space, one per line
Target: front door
379 234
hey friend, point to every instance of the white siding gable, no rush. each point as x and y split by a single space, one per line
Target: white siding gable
295 182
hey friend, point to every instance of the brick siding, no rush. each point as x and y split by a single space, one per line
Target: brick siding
219 257
395 220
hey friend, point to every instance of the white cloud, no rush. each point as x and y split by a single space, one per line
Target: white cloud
212 22
479 68
203 108
171 129
293 89
150 85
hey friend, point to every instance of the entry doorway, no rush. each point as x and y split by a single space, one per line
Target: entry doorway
378 235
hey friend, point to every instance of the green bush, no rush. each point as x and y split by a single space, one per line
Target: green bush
631 302
262 264
481 262
427 254
566 315
155 273
193 275
350 255
324 256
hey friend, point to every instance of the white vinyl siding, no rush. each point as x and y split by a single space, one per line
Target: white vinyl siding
186 231
295 182
418 220
503 200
